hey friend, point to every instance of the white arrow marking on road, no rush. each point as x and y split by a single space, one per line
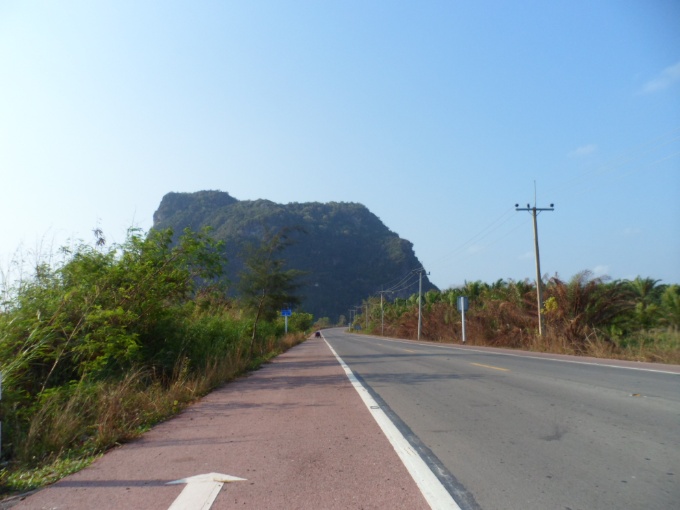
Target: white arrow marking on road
201 491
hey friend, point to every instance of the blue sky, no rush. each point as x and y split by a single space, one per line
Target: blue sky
438 116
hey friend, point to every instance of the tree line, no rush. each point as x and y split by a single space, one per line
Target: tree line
635 319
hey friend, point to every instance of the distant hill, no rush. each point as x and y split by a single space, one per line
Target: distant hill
347 252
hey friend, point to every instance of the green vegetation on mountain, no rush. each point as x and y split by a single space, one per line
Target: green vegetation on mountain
344 250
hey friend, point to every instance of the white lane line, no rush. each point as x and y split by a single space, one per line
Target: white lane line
432 489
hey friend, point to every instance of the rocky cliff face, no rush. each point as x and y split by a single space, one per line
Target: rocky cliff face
346 251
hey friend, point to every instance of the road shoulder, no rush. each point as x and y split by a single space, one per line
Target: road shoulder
296 430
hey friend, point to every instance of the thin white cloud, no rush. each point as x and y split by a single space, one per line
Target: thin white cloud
601 270
584 150
526 255
630 231
665 79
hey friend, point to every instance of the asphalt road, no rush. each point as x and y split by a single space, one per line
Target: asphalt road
522 431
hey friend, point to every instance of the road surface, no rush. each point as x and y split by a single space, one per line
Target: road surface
523 431
500 429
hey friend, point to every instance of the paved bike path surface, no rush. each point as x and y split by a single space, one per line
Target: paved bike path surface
295 429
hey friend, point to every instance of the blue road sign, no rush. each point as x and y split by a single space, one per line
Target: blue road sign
463 304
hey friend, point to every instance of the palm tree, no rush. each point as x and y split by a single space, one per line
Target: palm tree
521 293
646 295
585 304
670 301
473 290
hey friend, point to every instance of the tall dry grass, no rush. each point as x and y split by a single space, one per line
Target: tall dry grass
584 316
88 418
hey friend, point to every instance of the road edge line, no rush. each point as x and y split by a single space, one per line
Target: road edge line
430 486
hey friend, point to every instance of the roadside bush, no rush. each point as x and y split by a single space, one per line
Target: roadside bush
99 346
95 317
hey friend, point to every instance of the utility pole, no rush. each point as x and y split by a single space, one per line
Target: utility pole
539 282
356 309
420 299
382 313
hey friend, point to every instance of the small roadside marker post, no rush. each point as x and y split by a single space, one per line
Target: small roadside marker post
463 306
285 313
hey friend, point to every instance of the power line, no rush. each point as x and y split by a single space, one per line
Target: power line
402 281
616 162
634 154
490 228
